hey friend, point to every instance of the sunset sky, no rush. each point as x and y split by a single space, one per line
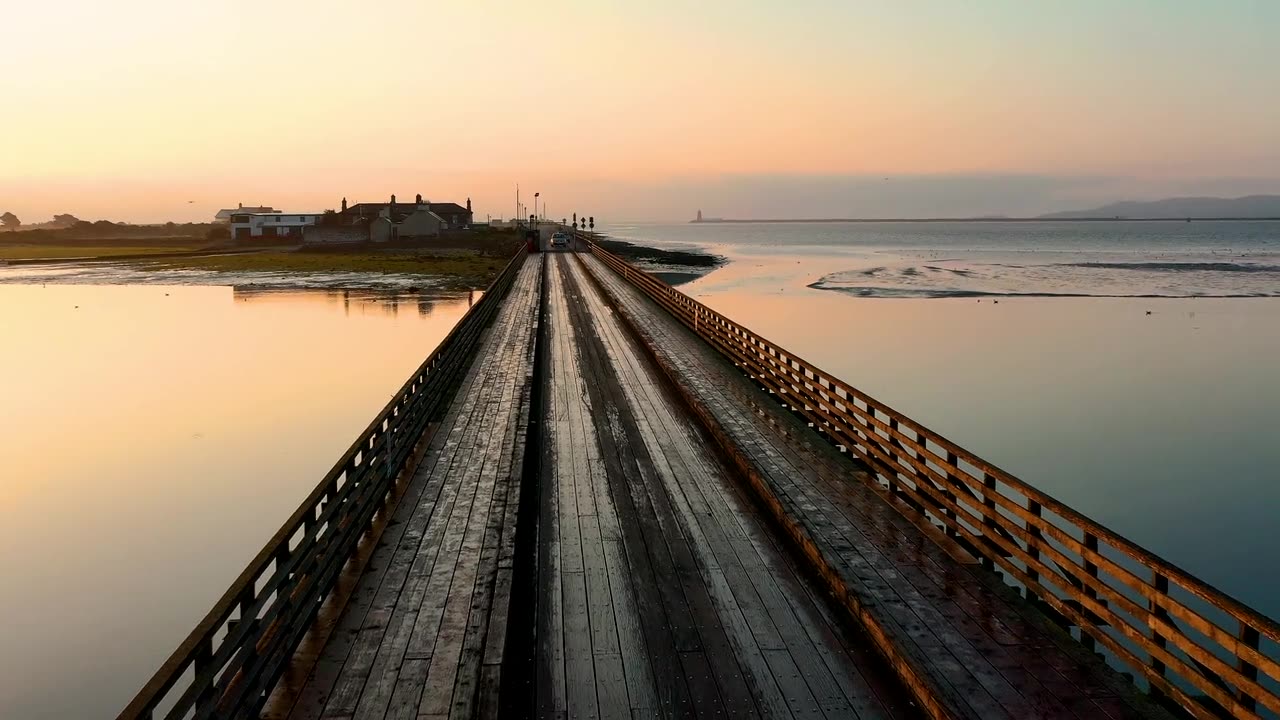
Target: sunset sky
128 110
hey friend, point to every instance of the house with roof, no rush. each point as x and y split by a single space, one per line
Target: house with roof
416 223
246 225
453 215
224 216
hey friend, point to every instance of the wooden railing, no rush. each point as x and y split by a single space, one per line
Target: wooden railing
230 662
1193 645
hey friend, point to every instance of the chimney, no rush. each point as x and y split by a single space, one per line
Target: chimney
344 204
468 204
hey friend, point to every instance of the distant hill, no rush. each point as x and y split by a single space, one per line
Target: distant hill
1252 206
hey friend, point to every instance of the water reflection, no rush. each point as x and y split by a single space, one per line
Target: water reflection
154 437
363 302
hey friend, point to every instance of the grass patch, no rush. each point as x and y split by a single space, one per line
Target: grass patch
472 267
53 252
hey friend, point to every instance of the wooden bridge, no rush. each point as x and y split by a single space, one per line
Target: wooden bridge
600 498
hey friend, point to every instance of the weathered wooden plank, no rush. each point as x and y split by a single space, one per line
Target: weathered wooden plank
639 613
682 476
408 690
772 456
478 620
452 680
631 642
579 662
447 554
769 696
611 687
704 695
386 669
384 579
604 627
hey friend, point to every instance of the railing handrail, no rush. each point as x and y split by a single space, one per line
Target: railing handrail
818 396
368 444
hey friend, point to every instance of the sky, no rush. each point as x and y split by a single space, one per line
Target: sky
153 110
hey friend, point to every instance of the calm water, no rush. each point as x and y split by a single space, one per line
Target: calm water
155 436
109 273
153 439
1165 426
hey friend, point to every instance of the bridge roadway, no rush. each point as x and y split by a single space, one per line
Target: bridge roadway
666 549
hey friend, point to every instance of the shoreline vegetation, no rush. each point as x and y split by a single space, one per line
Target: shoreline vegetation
463 259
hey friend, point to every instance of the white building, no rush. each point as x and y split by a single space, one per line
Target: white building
224 215
270 224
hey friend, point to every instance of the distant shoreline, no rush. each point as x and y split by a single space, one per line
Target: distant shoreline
728 221
674 267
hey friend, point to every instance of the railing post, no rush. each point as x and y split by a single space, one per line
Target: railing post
893 441
201 661
246 601
1033 549
988 520
1249 638
1090 569
282 558
1160 584
873 436
953 527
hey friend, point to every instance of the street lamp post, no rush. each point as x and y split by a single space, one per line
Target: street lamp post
535 208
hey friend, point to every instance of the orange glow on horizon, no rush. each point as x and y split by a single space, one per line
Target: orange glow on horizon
131 111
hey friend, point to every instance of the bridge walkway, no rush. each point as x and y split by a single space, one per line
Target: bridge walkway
954 632
423 634
697 551
662 590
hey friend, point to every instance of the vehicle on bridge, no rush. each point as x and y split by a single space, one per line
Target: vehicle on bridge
560 240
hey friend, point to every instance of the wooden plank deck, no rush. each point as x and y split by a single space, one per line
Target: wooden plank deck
662 589
422 633
965 644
